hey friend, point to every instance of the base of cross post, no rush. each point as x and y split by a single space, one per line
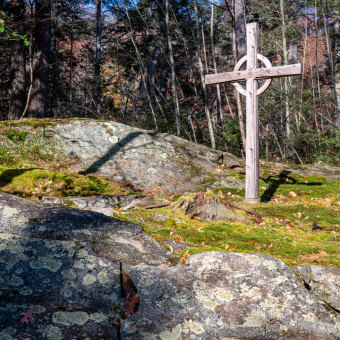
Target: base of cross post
252 200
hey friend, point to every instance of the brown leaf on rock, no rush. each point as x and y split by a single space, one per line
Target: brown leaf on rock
131 302
27 315
163 265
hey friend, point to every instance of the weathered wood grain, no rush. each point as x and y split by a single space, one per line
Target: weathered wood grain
261 73
252 129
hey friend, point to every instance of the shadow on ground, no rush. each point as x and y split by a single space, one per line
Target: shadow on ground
276 181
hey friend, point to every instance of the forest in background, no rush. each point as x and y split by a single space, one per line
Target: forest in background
143 63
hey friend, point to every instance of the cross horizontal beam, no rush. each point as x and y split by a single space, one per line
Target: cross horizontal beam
260 73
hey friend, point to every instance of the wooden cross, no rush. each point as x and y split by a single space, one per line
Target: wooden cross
251 75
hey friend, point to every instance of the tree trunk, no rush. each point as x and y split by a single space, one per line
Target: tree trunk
218 91
240 29
316 59
18 83
57 92
96 86
71 68
172 65
336 49
331 67
150 77
237 94
241 40
141 65
41 63
285 58
207 113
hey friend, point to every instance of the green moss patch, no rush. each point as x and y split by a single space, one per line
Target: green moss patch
16 135
33 182
303 213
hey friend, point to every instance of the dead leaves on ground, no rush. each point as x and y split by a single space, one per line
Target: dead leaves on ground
315 258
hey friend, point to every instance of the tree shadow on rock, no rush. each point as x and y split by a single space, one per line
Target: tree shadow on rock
114 150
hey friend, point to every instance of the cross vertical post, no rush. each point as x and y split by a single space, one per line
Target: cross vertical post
252 126
251 75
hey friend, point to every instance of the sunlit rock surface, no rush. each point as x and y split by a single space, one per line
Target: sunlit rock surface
227 296
323 282
149 159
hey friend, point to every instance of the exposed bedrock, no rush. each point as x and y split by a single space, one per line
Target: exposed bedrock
227 296
323 282
74 270
148 159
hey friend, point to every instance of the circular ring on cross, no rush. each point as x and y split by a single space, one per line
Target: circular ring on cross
264 87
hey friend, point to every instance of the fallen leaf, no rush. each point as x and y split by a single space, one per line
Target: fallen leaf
322 252
131 302
203 243
292 193
163 265
288 225
27 315
298 214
